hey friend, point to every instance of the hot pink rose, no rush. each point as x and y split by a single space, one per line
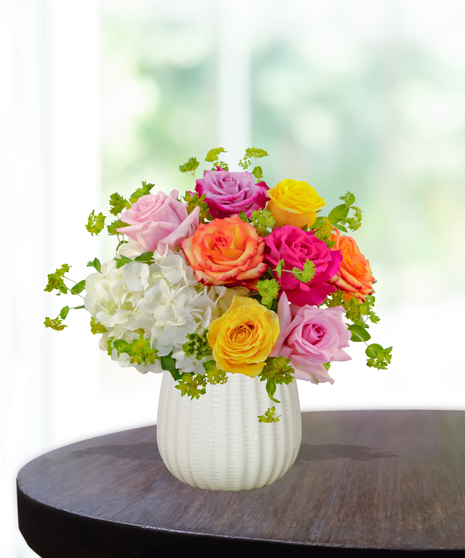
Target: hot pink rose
158 221
229 193
309 337
296 246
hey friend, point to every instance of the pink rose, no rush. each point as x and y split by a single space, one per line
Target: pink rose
296 246
158 221
229 193
311 336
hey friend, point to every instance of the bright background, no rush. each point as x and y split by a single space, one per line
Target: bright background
347 95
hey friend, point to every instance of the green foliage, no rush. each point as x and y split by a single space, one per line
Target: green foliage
190 167
276 371
55 324
359 333
64 312
55 280
327 365
268 289
279 268
95 223
192 385
335 299
123 260
197 346
251 153
140 350
96 327
243 217
143 191
214 376
258 173
263 221
269 416
323 229
96 264
118 203
118 224
366 309
78 287
378 357
213 157
306 274
194 200
339 215
145 257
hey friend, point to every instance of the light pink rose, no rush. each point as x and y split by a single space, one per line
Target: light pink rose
158 222
311 336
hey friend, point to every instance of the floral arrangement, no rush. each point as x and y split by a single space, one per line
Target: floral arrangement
235 277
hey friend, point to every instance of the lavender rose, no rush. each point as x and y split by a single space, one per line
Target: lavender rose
296 246
229 193
309 337
158 221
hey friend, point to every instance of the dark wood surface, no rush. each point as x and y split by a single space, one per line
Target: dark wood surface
365 483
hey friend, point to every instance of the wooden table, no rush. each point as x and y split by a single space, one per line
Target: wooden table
365 483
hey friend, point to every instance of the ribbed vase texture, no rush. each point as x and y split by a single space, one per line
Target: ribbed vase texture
216 442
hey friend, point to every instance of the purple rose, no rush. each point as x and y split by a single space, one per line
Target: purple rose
309 337
229 193
295 246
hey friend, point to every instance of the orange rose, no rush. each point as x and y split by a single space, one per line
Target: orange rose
226 252
354 276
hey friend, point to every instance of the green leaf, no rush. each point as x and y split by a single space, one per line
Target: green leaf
268 290
146 257
78 287
193 200
306 274
378 356
251 152
121 346
168 363
175 374
258 173
143 191
269 416
243 217
55 324
111 228
348 199
359 333
263 221
338 213
122 261
279 268
197 345
96 327
118 203
64 312
213 155
95 223
95 263
373 350
191 166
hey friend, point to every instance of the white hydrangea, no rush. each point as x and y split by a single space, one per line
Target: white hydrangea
164 299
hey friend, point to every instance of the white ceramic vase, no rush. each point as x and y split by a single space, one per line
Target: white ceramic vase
216 442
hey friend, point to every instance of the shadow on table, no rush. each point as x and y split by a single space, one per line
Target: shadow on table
136 452
324 452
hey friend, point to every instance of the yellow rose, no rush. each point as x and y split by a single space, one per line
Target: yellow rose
293 202
242 339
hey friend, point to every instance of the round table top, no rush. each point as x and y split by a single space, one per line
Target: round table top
365 483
